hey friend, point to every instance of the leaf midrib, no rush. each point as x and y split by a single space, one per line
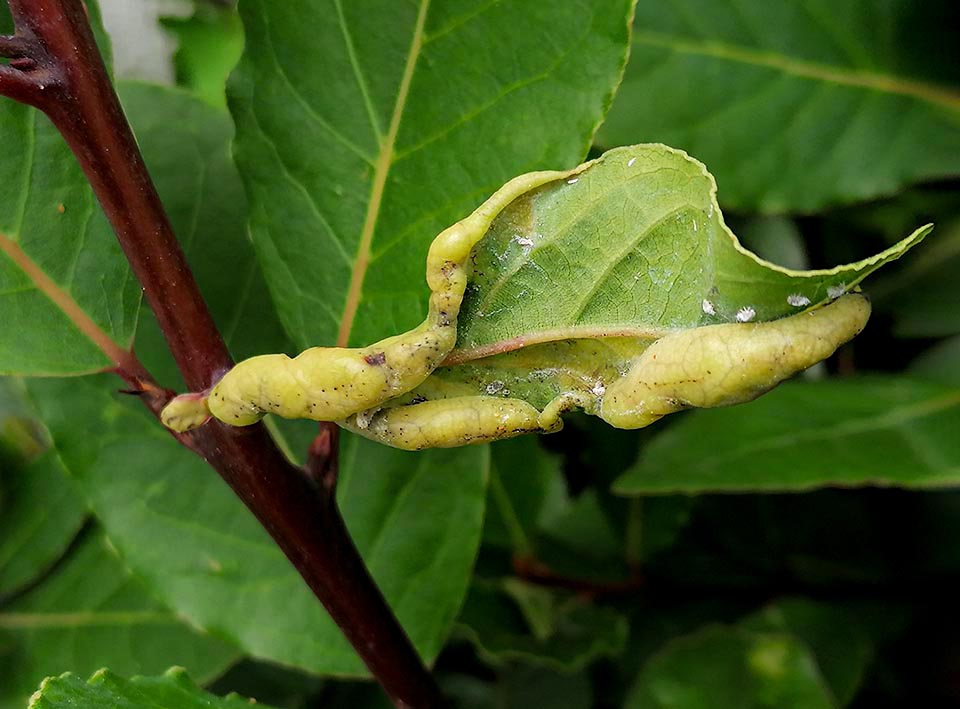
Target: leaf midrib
381 171
85 619
892 419
65 303
884 83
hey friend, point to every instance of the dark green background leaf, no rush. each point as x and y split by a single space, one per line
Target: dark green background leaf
40 513
864 431
89 613
796 104
731 667
511 621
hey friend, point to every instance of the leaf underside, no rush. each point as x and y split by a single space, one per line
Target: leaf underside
575 278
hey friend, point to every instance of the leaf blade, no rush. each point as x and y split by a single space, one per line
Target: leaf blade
798 105
866 431
386 198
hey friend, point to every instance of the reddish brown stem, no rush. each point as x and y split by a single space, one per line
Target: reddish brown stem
55 66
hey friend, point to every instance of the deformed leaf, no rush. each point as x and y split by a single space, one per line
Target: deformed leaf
106 690
614 287
631 244
577 277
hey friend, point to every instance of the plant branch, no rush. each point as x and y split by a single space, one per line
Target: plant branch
55 66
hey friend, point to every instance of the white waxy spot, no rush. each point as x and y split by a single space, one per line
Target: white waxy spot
694 224
573 180
708 307
798 301
631 161
710 210
598 388
837 290
494 387
746 314
364 418
525 244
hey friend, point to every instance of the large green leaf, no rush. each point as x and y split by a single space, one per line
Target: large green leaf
409 116
416 518
107 690
731 667
89 613
66 293
796 104
846 432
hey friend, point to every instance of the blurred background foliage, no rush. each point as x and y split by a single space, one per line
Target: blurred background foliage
612 571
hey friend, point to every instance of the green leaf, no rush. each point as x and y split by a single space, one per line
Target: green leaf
576 278
387 496
91 612
844 432
521 475
107 690
940 363
838 636
65 287
186 145
519 687
41 509
511 621
795 105
922 297
731 667
416 518
410 115
632 245
42 512
209 45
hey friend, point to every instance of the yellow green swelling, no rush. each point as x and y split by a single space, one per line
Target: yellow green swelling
710 366
331 383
